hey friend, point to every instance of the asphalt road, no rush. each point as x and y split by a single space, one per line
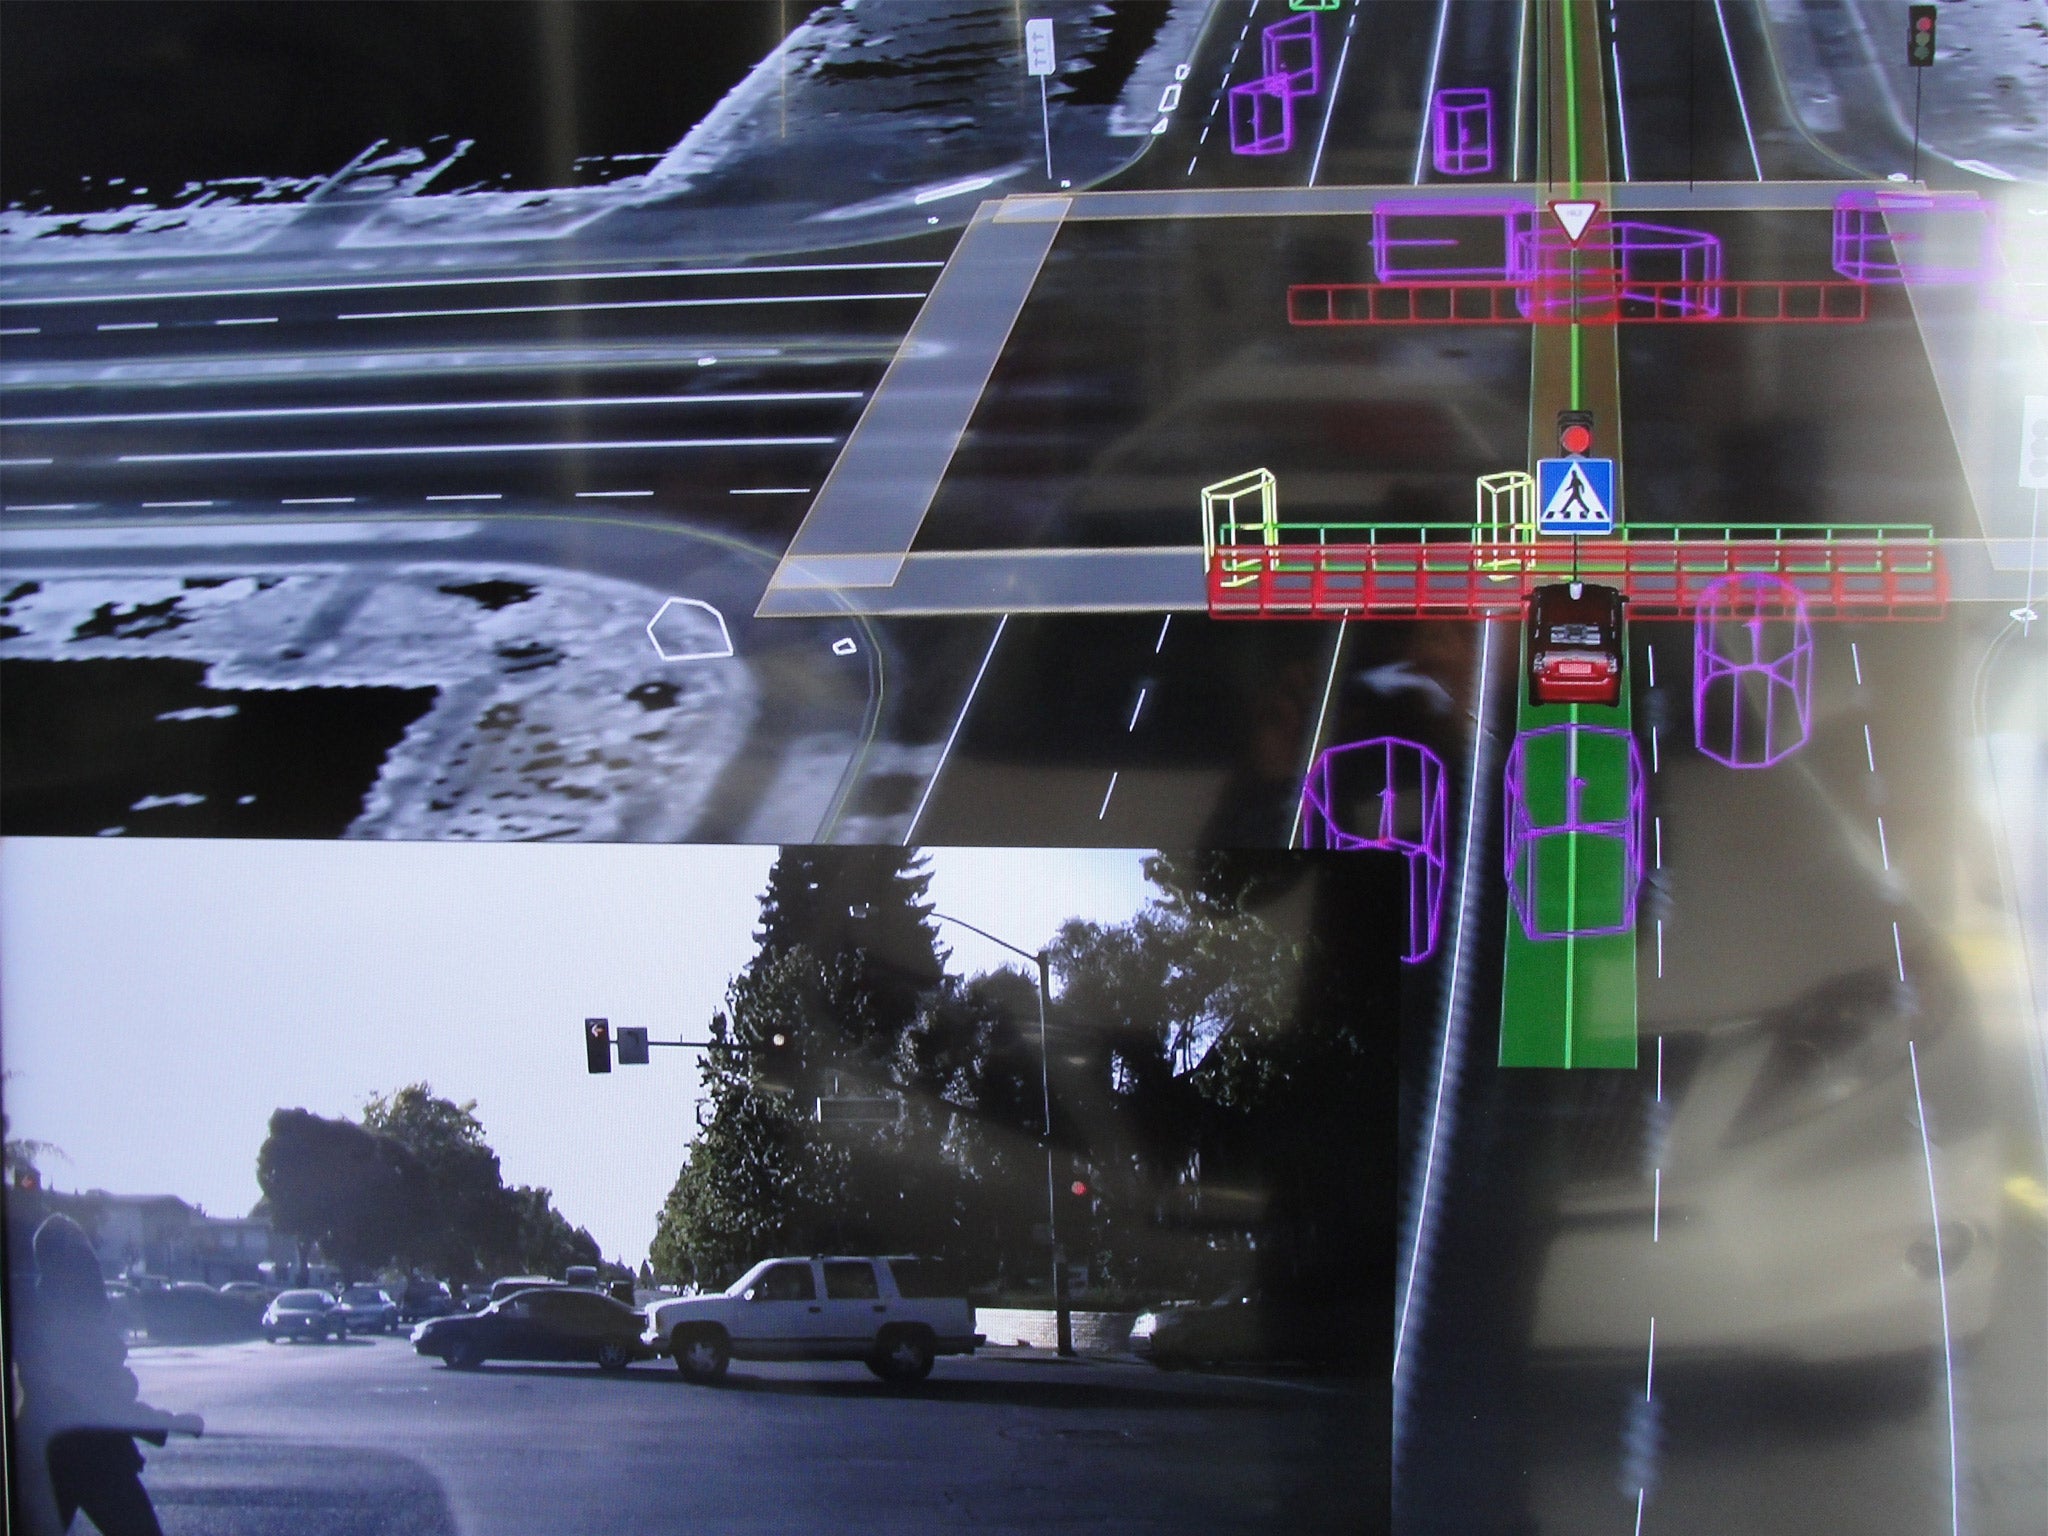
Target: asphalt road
321 1440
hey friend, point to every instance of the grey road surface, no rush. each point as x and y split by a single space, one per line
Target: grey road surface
320 1440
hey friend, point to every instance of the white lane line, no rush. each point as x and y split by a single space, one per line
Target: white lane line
1948 1357
1883 849
127 325
1658 823
1660 949
416 408
1656 765
609 495
1856 657
1436 55
1156 644
769 490
614 304
42 506
1660 1069
1869 755
1652 650
1521 72
249 320
953 735
1639 1511
21 330
318 501
1191 165
1898 951
469 496
1315 165
1650 1365
1620 114
1453 1019
1735 79
23 463
1657 1207
251 454
1135 709
1316 741
149 506
1105 797
479 280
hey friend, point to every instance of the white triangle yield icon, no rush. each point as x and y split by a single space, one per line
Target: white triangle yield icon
1575 216
1575 501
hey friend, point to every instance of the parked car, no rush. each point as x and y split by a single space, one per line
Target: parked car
894 1314
552 1322
422 1299
1194 1333
511 1285
367 1309
304 1315
249 1292
1574 644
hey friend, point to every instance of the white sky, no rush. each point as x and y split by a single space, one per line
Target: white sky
161 997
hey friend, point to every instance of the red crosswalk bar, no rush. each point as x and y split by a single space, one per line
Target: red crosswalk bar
1661 578
1616 302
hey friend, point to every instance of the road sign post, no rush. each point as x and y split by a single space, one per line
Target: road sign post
1575 496
1919 56
1040 62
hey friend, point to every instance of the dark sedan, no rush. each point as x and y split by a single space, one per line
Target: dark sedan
304 1315
558 1324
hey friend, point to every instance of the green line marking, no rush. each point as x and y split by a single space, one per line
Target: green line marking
1576 404
1571 102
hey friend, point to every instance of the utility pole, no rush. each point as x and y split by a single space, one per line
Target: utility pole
1063 1316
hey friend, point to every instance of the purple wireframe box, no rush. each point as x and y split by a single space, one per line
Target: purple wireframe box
1386 792
1261 119
1663 272
1292 55
1444 239
1910 237
1752 671
1461 131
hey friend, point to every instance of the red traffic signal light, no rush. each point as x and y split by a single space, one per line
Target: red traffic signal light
1919 36
1079 1188
1575 433
597 1044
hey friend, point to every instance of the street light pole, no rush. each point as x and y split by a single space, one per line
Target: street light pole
1062 1314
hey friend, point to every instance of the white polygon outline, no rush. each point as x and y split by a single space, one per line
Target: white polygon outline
724 634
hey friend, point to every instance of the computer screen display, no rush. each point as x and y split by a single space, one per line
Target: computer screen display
1153 765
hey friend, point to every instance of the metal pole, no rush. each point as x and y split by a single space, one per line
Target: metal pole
1063 1316
1045 120
1918 76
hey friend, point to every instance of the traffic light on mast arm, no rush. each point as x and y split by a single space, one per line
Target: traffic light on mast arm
597 1044
776 1065
1920 36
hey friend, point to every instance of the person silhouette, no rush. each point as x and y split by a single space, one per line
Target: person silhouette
77 1403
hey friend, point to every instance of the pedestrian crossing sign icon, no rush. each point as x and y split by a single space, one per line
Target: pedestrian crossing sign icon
1575 496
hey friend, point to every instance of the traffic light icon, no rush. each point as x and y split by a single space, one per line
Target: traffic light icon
1919 35
1575 433
597 1044
776 1068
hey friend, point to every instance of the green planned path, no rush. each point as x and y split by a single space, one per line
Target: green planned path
1571 1002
